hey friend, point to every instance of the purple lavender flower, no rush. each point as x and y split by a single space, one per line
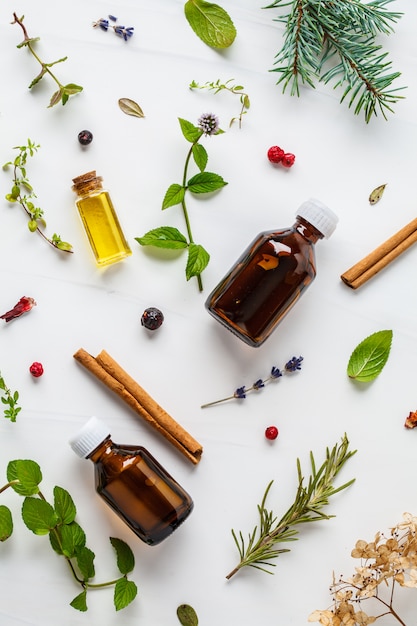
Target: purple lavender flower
208 123
124 32
294 364
101 23
240 393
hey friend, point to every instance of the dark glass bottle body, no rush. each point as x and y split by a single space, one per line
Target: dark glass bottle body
139 490
266 281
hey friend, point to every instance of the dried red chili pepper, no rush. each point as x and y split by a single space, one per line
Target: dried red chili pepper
25 304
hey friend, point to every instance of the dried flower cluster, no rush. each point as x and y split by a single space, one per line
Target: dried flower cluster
385 562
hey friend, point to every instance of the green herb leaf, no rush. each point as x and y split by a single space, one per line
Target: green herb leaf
130 107
85 561
369 357
72 539
38 515
64 505
191 133
187 615
163 237
377 194
174 195
200 156
124 555
198 259
125 591
205 182
211 23
80 601
29 475
6 523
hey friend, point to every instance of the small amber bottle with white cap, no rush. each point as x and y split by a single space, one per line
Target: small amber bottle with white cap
133 484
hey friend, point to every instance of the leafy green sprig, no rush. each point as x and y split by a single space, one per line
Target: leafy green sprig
10 400
67 538
231 88
64 91
23 194
168 237
309 501
336 41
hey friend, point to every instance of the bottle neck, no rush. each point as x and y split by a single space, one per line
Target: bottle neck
104 448
307 230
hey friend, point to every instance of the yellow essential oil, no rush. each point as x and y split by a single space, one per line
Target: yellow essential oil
100 220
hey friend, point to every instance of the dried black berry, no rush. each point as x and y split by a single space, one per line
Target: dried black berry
85 137
152 318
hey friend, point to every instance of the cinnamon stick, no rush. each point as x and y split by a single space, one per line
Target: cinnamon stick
374 262
109 372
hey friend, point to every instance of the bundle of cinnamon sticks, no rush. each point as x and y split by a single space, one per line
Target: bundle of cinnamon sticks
105 368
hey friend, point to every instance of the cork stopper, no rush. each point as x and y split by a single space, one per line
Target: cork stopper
86 183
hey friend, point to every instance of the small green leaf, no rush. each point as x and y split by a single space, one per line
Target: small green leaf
187 615
377 194
125 591
191 133
38 515
64 505
85 561
71 89
56 97
163 237
200 156
124 555
369 357
174 195
72 538
205 182
211 23
6 523
80 601
130 107
29 475
197 261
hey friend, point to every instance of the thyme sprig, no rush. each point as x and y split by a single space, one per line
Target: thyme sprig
64 91
218 86
22 192
336 41
260 548
9 399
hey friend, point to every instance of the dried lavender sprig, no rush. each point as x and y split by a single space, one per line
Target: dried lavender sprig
122 31
292 365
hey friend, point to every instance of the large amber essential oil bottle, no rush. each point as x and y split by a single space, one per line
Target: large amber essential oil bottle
100 220
133 484
270 276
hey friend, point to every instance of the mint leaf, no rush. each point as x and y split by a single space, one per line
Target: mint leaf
163 237
174 195
72 539
191 133
205 182
197 261
6 523
85 561
200 156
80 601
64 505
211 23
187 615
125 591
29 475
124 555
39 516
369 357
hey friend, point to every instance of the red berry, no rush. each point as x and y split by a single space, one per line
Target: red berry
275 154
271 433
36 369
288 159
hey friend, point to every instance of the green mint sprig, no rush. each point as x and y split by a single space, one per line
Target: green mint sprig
66 537
9 399
64 91
234 89
370 356
168 237
23 194
211 23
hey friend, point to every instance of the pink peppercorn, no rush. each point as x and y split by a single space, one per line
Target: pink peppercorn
271 433
288 159
275 154
36 369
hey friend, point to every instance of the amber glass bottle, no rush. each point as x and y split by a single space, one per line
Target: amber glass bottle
270 276
133 484
100 220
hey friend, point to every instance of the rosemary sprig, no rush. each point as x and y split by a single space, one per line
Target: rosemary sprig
307 507
342 35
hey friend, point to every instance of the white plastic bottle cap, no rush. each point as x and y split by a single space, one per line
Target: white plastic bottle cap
319 216
89 437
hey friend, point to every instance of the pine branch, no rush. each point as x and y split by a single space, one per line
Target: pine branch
340 34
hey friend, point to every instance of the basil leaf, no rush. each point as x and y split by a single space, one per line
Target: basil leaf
205 182
197 261
211 23
174 195
163 237
369 357
124 555
187 615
